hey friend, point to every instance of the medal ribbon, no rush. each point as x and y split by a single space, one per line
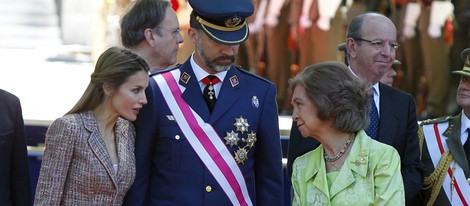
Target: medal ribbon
205 141
435 142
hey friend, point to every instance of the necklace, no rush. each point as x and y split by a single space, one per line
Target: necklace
341 152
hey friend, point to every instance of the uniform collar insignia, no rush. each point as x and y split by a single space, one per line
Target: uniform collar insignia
234 81
185 78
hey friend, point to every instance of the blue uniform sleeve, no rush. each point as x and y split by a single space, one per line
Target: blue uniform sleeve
268 166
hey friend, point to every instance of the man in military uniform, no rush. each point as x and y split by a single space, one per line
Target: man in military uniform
209 134
446 149
425 23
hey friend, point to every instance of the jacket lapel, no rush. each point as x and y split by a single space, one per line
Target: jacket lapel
97 145
453 142
317 172
229 94
389 117
192 93
356 162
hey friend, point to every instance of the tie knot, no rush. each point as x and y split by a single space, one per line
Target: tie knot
210 80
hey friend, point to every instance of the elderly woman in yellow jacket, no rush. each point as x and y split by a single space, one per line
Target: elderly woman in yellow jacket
348 168
89 156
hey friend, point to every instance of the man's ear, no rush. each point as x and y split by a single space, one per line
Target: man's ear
351 47
192 34
149 36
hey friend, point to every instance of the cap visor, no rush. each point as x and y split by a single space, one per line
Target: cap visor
227 37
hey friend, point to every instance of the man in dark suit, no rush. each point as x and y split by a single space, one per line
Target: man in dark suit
371 45
209 134
15 184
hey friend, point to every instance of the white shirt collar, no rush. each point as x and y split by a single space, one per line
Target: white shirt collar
464 125
376 91
201 73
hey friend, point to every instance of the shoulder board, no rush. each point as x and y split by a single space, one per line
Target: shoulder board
241 69
435 120
165 70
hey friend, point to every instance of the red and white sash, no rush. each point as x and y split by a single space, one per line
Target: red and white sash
204 139
459 194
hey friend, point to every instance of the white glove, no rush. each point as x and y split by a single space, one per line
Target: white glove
274 10
326 10
305 21
257 24
271 21
440 11
412 12
409 31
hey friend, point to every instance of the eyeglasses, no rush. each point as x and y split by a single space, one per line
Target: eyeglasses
174 31
379 44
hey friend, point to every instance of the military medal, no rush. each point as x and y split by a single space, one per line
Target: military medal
231 139
241 155
211 91
241 124
250 141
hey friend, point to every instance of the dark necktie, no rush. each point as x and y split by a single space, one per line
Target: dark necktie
209 92
466 147
374 120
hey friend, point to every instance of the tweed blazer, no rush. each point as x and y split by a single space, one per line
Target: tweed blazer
370 175
76 167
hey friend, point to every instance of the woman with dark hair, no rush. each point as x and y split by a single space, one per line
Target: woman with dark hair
89 155
348 168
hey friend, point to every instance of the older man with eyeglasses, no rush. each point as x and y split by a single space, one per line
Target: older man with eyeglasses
371 47
151 29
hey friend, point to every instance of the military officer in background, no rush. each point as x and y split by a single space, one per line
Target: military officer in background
427 21
209 134
315 25
446 149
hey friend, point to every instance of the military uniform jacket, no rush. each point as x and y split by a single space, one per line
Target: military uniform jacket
169 172
451 142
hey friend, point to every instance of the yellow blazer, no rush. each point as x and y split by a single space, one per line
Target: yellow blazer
370 175
76 167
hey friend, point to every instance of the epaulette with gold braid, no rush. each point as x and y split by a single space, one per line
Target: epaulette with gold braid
435 120
420 141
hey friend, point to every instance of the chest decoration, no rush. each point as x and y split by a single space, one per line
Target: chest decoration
247 142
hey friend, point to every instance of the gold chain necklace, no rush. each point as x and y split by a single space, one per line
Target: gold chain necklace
341 152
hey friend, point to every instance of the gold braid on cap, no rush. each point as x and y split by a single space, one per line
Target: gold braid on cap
220 28
435 180
221 40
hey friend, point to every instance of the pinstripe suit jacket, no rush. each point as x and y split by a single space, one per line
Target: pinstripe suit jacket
76 167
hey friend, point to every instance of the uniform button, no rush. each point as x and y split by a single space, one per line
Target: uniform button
177 137
208 188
